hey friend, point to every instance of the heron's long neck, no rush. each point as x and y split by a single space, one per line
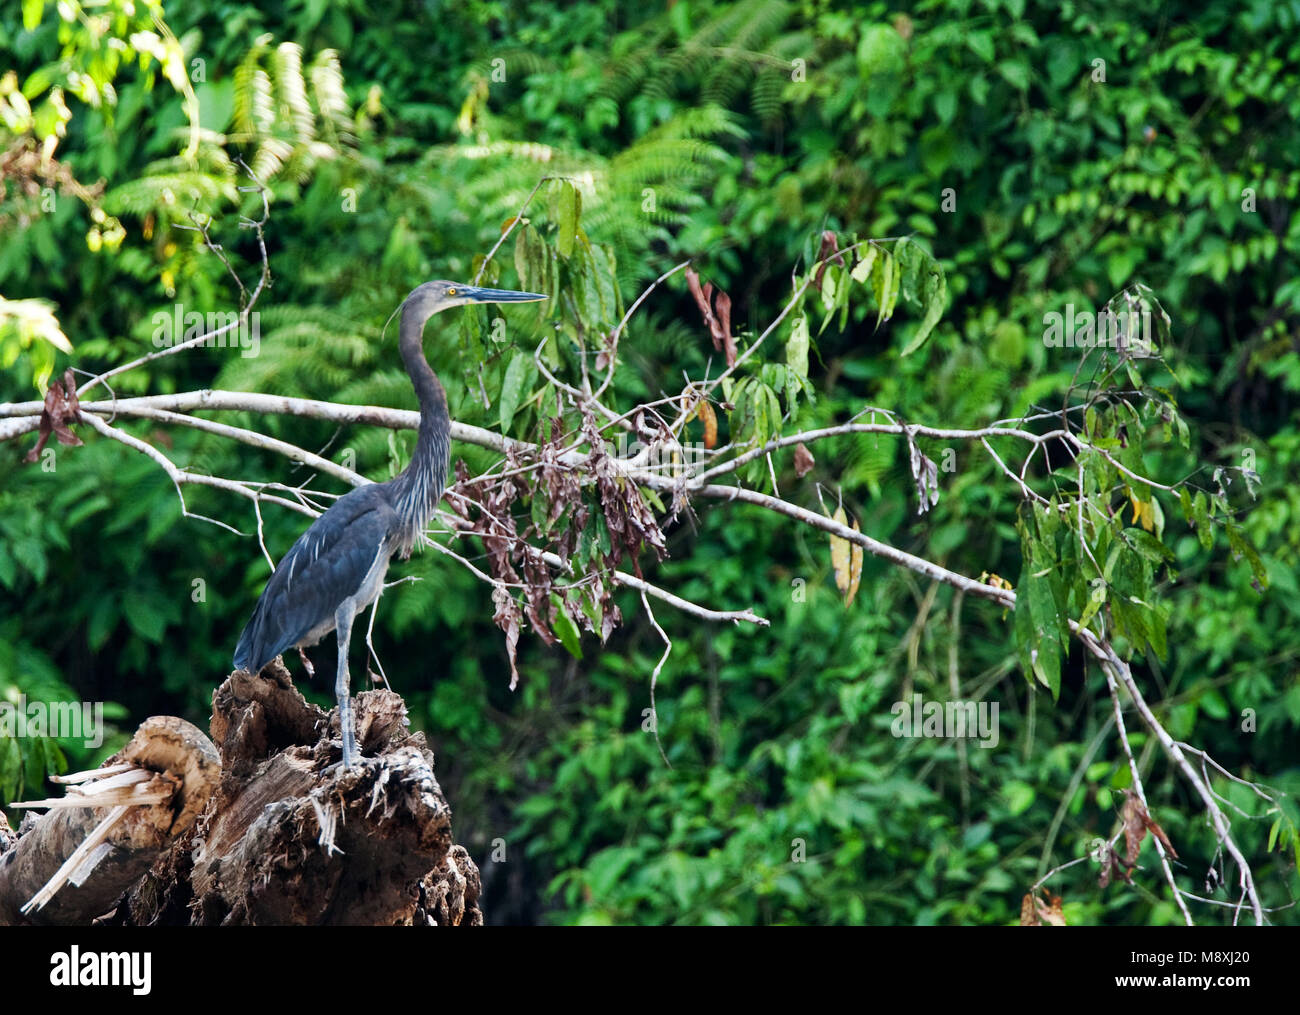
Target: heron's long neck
419 486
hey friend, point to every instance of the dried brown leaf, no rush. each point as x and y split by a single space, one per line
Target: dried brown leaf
829 245
1134 816
803 460
1036 912
1112 868
719 325
1049 909
60 409
1159 833
728 341
507 618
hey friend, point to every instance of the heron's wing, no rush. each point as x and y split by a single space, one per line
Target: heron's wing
327 565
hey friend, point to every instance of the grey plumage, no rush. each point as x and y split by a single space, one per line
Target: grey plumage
336 568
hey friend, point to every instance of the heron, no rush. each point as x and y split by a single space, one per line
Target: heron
337 567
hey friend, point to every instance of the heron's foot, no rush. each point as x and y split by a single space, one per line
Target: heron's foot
351 756
306 663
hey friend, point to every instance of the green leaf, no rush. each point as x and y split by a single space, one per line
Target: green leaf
1272 835
861 272
886 287
1242 547
143 616
1156 635
101 623
568 212
773 412
1038 620
1019 795
565 629
216 104
1016 74
830 286
981 44
933 293
537 510
549 407
796 349
653 498
604 274
1149 546
32 11
1212 703
531 259
518 374
1095 601
1201 519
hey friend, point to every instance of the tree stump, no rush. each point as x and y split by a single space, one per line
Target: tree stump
288 836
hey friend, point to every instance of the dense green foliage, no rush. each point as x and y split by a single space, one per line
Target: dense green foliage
735 134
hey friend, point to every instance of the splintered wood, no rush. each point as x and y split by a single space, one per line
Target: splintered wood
74 862
264 828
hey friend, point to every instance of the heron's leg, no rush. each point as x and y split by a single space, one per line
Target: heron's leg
347 725
374 608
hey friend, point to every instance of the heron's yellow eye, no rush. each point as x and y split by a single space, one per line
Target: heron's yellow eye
451 292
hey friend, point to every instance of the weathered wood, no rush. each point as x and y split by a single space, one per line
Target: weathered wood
264 828
185 766
290 837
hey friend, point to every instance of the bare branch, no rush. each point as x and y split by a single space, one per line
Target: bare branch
27 413
1003 597
612 346
1120 670
1141 792
654 677
249 300
180 477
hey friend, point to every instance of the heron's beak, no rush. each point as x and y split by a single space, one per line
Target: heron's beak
474 294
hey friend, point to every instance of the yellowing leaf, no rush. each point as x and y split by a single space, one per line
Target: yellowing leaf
862 270
829 285
840 553
796 350
846 559
996 580
710 420
855 568
1143 511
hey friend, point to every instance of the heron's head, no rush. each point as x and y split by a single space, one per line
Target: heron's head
433 297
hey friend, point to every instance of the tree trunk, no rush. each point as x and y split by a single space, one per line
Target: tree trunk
286 835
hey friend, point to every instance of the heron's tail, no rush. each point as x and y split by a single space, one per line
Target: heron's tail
246 651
